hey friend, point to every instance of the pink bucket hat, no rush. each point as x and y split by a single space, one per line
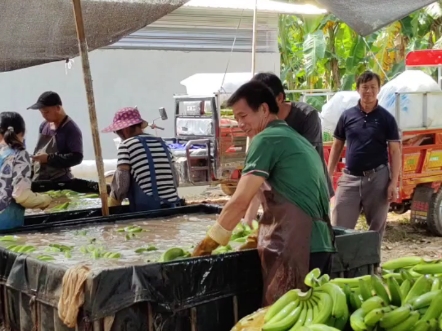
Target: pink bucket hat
124 118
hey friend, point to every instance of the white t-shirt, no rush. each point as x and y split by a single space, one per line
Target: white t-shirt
131 152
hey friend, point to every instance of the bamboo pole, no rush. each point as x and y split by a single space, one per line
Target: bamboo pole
82 45
255 9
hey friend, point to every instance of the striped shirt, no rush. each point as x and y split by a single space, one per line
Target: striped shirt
131 152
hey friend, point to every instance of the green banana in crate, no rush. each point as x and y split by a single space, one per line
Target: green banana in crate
424 300
290 296
421 285
379 288
401 262
172 254
395 291
395 317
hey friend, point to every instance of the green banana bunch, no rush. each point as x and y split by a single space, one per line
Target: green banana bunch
401 263
293 308
395 317
290 296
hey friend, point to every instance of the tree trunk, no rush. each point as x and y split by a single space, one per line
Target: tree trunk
333 62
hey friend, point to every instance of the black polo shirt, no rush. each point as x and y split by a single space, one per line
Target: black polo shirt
367 135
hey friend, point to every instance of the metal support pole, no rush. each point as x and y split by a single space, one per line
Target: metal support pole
253 53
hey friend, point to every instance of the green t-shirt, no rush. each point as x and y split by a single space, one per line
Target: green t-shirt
294 169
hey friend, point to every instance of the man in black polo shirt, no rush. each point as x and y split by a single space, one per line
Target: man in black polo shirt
367 182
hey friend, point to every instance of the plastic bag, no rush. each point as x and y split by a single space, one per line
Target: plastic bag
252 322
334 108
209 83
411 105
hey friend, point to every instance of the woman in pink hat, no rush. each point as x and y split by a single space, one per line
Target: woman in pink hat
144 172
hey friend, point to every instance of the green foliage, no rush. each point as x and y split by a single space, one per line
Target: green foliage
322 52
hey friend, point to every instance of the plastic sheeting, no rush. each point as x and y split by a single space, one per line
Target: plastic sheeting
207 291
366 17
37 32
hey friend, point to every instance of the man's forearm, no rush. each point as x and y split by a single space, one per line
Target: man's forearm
232 214
395 165
252 211
335 154
66 160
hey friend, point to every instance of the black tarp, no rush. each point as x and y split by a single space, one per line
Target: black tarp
368 16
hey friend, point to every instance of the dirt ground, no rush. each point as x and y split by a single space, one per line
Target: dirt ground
401 237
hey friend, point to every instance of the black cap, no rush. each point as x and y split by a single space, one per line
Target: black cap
47 99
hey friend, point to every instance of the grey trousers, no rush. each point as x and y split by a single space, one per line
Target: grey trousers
369 194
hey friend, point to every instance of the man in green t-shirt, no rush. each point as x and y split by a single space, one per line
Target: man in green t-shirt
286 171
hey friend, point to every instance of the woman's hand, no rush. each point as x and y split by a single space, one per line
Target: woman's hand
205 247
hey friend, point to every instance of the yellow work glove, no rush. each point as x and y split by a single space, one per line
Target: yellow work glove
31 200
111 202
216 236
251 242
